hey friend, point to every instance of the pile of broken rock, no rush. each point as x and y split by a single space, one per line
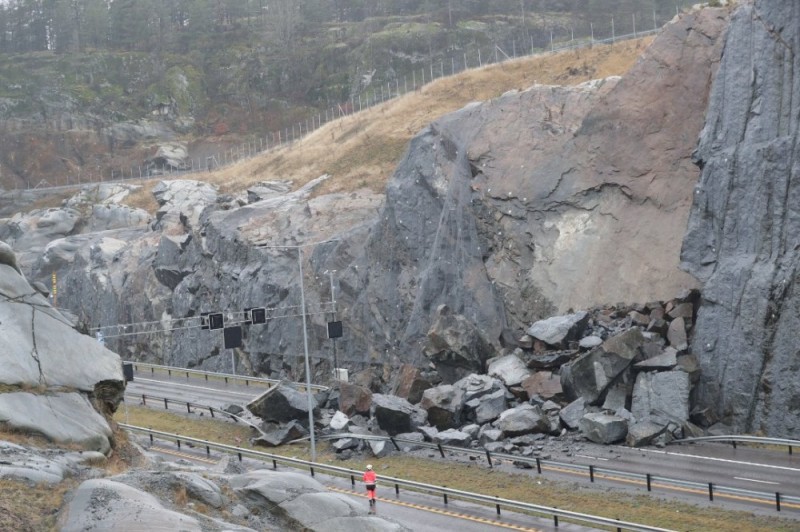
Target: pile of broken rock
610 374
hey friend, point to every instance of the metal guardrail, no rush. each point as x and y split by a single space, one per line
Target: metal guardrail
497 502
734 438
268 383
646 479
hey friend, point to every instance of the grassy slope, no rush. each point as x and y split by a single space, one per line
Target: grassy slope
362 150
576 496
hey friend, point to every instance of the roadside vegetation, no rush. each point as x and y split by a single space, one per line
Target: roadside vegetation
477 477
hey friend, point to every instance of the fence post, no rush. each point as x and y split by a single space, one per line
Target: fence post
648 483
353 480
538 465
441 451
710 491
240 456
778 501
166 407
591 473
489 458
397 490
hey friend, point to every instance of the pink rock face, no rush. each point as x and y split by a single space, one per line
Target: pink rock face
544 384
354 399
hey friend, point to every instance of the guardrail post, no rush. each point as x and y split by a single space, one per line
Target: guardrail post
169 371
497 507
226 380
312 471
246 382
778 501
152 371
619 528
353 480
212 411
445 498
188 408
206 376
710 491
555 520
489 458
274 464
179 443
649 488
441 451
591 473
538 465
397 490
240 456
790 450
397 447
208 450
187 375
144 400
166 406
151 439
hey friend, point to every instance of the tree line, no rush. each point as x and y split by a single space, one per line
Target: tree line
169 25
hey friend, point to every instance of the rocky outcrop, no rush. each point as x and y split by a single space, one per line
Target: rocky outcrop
281 404
455 346
76 378
739 241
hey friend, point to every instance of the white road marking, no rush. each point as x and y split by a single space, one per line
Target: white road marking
203 388
759 481
783 468
592 457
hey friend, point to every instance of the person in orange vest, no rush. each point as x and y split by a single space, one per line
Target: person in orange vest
370 480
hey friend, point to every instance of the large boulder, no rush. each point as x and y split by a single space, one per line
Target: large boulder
590 375
660 394
545 384
282 404
603 428
510 369
410 382
524 419
475 386
396 415
354 399
282 435
453 437
486 408
443 404
572 414
456 347
558 331
643 433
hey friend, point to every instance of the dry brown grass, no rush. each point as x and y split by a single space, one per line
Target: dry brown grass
363 149
579 497
26 508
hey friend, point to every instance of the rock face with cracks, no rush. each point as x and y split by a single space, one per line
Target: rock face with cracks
56 381
741 238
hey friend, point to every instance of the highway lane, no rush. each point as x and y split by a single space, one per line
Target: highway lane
420 512
762 470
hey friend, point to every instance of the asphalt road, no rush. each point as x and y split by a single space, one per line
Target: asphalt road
763 470
419 512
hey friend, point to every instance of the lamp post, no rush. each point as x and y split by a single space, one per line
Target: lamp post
299 249
305 351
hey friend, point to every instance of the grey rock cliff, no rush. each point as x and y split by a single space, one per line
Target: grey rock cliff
742 240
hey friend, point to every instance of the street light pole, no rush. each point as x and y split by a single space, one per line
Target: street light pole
308 367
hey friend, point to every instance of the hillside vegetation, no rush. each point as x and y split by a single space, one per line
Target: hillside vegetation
362 150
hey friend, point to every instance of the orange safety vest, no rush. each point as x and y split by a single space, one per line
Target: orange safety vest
370 479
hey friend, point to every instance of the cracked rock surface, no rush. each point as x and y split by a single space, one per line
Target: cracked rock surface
742 234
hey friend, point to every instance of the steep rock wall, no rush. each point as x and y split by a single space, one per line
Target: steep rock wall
742 239
507 211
